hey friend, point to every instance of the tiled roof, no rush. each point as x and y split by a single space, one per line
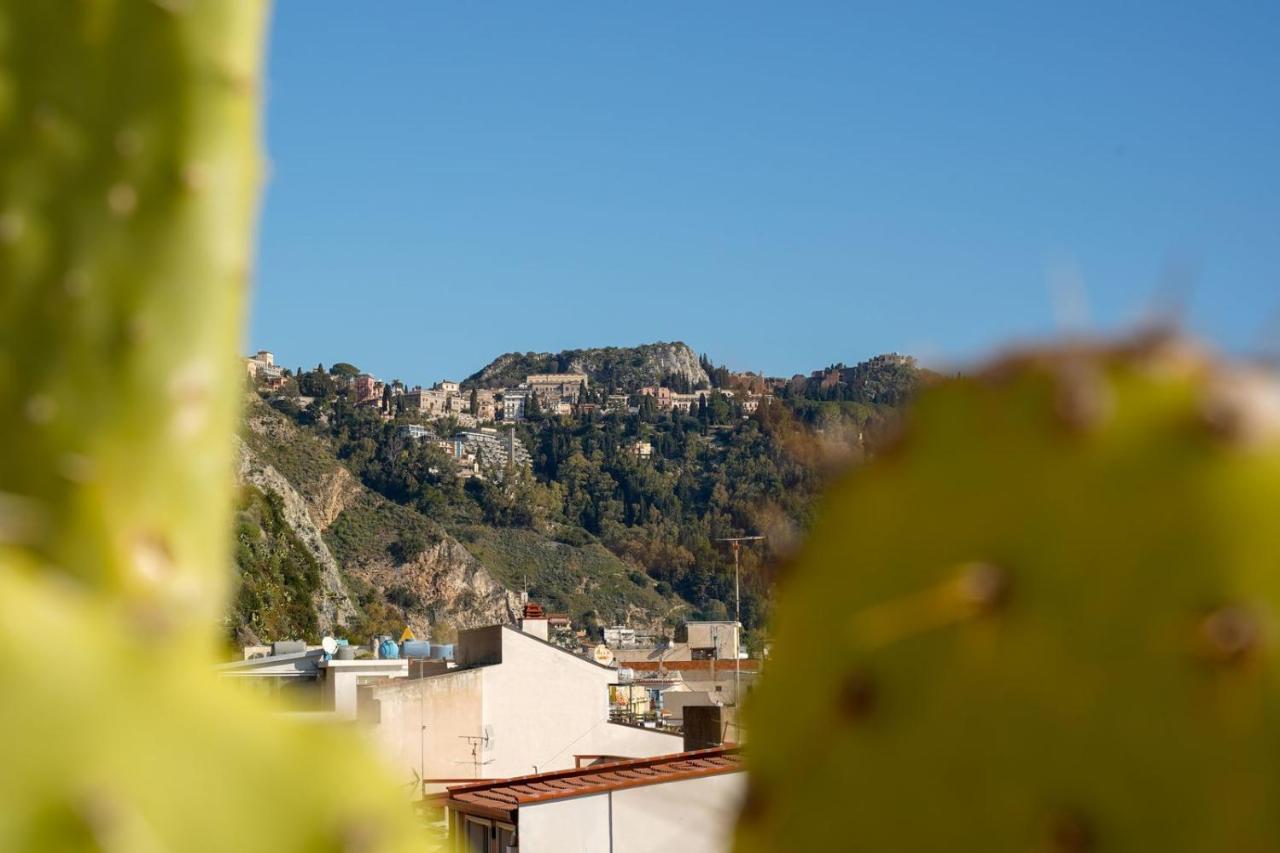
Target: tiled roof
501 798
722 666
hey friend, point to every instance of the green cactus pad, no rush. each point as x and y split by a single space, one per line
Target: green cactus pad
129 176
1045 620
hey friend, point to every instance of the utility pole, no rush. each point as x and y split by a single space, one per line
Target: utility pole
735 543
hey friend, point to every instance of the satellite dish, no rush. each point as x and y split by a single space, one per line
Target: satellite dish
329 644
602 655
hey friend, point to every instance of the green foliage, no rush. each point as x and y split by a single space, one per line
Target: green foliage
344 370
369 529
412 541
883 380
1047 619
278 576
714 473
563 577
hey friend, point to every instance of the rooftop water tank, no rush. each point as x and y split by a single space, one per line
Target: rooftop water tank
441 652
416 649
288 647
388 650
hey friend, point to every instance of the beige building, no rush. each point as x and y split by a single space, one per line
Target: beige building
514 704
554 387
431 402
262 367
486 405
717 640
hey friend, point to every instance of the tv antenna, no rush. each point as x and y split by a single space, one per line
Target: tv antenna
479 743
735 544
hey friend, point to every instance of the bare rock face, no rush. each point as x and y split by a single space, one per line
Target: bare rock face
331 496
333 607
452 585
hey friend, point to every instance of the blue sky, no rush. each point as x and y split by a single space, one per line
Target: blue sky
781 185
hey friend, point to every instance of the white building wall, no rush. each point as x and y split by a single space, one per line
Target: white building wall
629 741
542 705
577 825
690 816
425 722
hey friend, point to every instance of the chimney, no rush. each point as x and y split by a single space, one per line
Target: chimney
534 622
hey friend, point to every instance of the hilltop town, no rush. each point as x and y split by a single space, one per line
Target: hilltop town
475 415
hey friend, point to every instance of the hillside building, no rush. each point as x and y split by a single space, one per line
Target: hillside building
554 387
513 404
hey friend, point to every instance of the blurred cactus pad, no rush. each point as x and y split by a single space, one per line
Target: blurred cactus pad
1044 620
129 179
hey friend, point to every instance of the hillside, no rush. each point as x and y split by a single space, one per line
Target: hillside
616 515
623 368
319 551
889 380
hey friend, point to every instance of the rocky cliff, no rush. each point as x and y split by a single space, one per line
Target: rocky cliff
369 578
625 368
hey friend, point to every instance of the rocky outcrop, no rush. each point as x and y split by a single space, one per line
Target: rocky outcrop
627 368
450 584
331 495
442 583
333 606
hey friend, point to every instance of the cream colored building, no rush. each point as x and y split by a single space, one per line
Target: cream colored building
717 640
554 387
514 704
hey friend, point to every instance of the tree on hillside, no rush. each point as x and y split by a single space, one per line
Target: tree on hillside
345 370
475 403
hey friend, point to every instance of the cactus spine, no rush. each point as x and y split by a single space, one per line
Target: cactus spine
129 175
1046 620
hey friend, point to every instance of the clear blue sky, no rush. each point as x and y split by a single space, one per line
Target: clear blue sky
780 184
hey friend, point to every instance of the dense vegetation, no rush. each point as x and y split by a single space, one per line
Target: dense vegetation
278 576
714 472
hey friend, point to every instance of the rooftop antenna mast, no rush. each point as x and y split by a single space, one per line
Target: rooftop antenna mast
735 543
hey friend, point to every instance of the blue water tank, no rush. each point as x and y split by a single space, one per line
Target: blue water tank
442 652
388 650
415 649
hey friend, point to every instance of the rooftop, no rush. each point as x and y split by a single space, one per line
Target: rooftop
722 665
503 797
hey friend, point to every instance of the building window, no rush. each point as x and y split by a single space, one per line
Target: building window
476 837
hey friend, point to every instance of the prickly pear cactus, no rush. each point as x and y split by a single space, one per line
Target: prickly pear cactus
128 185
1045 620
